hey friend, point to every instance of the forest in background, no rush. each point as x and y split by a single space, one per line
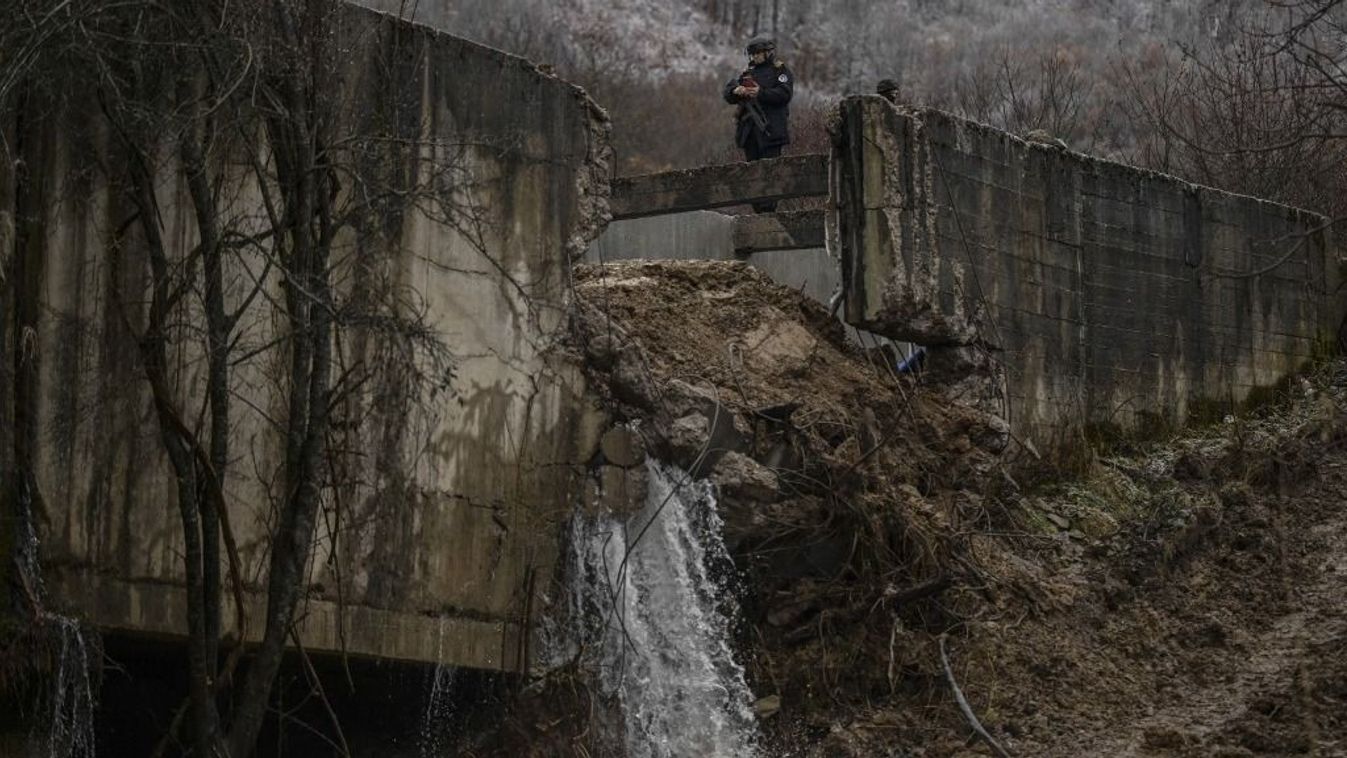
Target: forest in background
1245 95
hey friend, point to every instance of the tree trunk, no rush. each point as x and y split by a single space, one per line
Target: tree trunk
217 338
154 358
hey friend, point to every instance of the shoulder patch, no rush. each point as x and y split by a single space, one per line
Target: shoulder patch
783 78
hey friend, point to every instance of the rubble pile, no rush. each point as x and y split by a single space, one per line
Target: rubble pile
1165 602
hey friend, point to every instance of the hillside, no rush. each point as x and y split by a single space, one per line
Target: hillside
657 65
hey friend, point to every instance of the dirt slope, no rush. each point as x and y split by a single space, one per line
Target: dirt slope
1239 646
1183 599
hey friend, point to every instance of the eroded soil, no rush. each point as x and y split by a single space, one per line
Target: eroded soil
1186 598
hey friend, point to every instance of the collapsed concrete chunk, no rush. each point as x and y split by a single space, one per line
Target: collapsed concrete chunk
740 477
688 438
630 379
780 343
728 431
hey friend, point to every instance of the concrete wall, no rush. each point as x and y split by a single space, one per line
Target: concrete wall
696 235
709 236
1110 296
447 515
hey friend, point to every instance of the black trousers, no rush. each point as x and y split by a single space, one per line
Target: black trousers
755 152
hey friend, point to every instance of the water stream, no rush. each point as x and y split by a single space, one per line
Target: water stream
651 607
67 729
70 733
440 705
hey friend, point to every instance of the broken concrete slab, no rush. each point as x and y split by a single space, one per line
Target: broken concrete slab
781 343
719 186
740 477
787 230
689 440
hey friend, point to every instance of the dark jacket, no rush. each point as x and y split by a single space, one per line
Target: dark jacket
776 85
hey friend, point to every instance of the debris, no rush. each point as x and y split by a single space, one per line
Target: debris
790 613
767 707
1165 574
742 478
935 586
631 381
688 437
1058 521
779 344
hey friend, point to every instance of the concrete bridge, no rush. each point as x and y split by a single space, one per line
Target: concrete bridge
1099 295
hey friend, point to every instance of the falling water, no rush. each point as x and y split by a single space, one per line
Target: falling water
651 607
70 731
26 545
435 721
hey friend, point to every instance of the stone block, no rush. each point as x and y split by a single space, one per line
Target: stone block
622 446
742 478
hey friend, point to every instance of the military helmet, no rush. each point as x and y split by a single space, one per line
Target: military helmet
886 85
761 45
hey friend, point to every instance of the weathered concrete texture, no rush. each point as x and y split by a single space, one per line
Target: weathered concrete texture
1111 295
447 521
710 236
814 272
788 230
708 187
695 235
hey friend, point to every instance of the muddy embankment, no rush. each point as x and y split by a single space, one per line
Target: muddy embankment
1182 599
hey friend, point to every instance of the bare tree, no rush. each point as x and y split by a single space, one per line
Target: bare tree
1023 91
239 102
1259 110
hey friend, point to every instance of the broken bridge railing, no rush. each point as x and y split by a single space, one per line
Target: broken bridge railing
721 186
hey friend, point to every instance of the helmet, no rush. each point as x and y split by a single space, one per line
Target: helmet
761 45
886 85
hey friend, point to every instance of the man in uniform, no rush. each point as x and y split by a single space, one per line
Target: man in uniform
888 89
762 94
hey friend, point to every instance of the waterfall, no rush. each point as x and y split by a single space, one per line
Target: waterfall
435 722
67 729
70 733
439 710
26 545
652 610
